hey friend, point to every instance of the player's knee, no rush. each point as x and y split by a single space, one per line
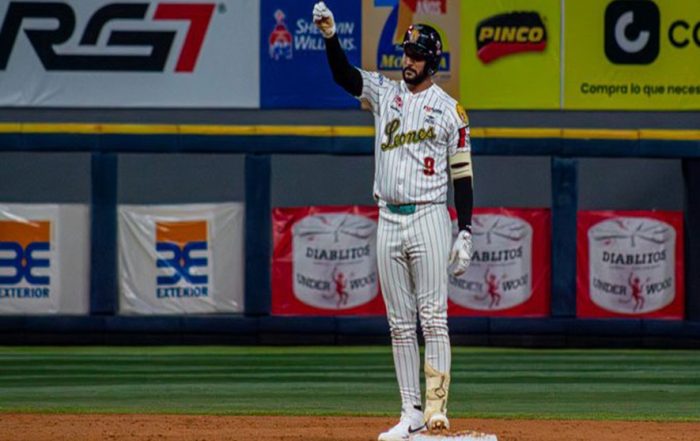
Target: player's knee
403 331
434 328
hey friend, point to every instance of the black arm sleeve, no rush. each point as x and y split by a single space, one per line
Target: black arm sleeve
344 73
464 201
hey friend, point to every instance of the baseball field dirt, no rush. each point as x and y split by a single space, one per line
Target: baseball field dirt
49 427
339 393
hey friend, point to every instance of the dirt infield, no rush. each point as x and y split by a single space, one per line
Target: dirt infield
45 427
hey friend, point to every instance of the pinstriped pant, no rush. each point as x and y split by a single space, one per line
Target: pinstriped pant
412 253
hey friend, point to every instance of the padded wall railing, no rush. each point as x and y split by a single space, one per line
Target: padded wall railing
258 143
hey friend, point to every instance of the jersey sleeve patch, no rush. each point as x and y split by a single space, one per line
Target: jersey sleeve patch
462 137
462 114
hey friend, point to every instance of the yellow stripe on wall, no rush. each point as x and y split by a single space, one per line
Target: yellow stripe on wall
336 131
672 135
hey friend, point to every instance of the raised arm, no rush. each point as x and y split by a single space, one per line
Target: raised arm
344 73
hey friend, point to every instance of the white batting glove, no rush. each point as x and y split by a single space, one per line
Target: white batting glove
461 254
323 18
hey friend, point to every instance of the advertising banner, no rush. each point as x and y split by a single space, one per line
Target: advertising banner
324 261
511 54
294 69
632 55
509 275
132 53
384 23
181 259
630 264
44 262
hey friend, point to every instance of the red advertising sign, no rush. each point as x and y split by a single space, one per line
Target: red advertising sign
630 264
510 271
324 261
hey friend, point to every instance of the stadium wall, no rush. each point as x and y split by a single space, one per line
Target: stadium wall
265 163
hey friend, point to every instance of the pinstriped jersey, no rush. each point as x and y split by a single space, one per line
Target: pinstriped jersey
415 135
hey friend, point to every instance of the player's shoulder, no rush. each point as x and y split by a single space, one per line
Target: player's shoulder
377 79
452 106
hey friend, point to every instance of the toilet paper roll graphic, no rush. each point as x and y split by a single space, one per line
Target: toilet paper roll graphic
632 264
500 275
335 260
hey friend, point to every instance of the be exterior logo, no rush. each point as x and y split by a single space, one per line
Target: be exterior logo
111 39
633 32
183 262
24 259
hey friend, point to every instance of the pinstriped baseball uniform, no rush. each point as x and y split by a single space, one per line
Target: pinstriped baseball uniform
415 135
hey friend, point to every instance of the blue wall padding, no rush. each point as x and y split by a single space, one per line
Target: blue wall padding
344 145
540 326
468 325
210 324
564 206
103 234
671 328
606 327
237 326
691 178
258 234
362 326
297 325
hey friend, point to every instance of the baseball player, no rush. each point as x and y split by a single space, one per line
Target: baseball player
420 132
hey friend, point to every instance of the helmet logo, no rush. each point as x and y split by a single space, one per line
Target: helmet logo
414 34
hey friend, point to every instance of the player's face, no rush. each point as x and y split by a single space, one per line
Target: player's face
414 71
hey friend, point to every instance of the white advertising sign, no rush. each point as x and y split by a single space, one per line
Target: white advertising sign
181 259
500 275
632 264
130 53
44 259
335 260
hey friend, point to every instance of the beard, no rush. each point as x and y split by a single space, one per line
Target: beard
417 78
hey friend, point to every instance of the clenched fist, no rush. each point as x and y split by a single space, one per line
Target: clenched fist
323 18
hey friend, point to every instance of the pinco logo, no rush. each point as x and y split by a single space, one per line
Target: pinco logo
182 259
99 44
24 260
510 33
390 47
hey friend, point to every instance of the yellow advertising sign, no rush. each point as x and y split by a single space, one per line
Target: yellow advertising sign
384 23
510 54
632 54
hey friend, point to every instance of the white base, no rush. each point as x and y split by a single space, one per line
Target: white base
459 436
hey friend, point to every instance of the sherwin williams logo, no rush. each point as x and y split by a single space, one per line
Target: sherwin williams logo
183 258
390 48
34 17
292 37
510 33
24 260
280 39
